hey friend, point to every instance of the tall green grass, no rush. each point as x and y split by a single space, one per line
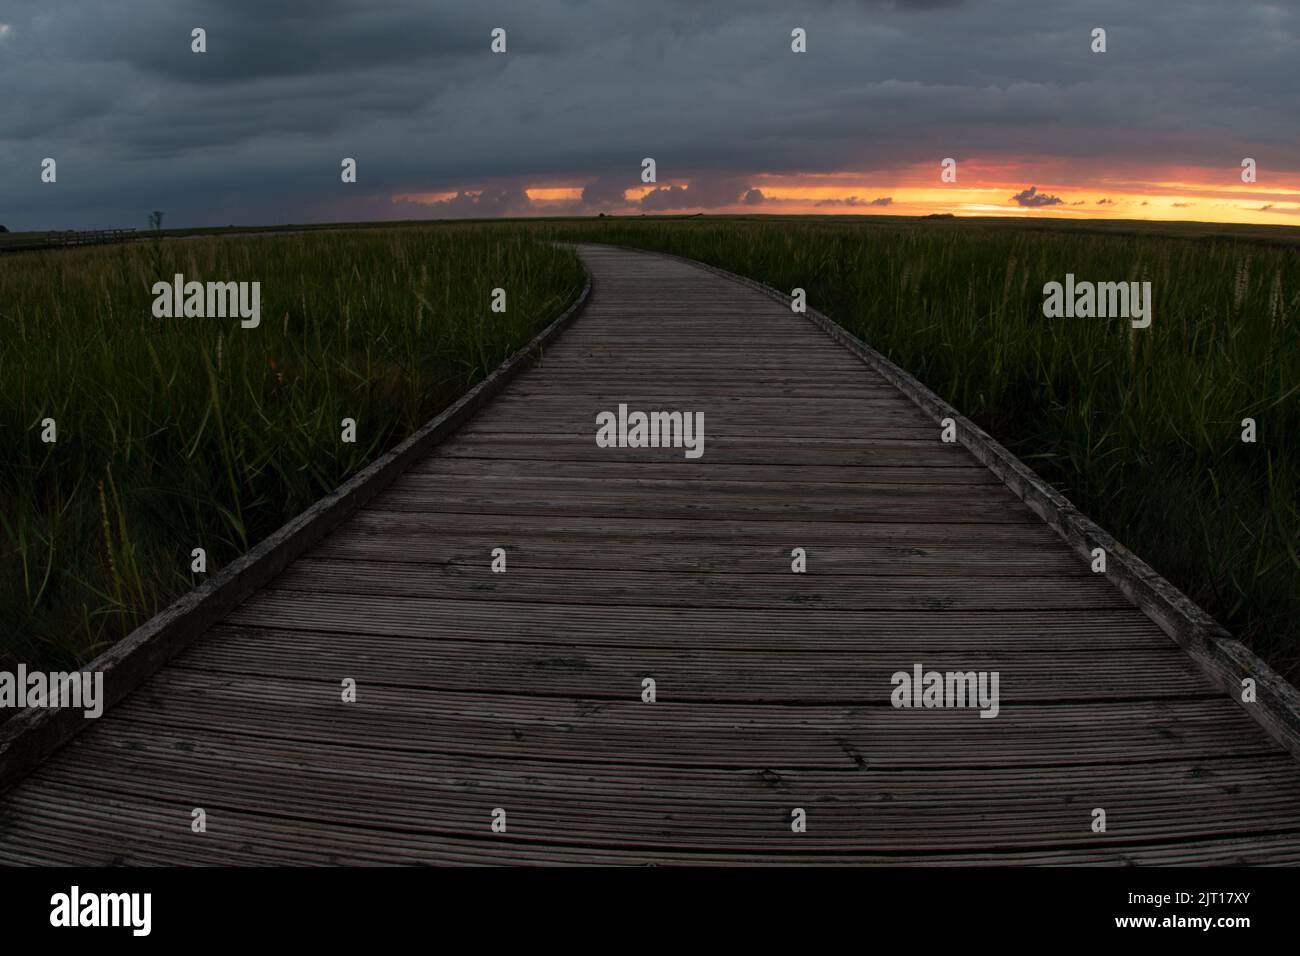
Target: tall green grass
1140 428
182 433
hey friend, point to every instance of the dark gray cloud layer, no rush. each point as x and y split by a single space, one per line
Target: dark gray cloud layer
254 130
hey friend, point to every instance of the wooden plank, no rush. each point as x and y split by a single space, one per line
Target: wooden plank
615 672
703 809
102 828
645 588
870 505
736 734
721 475
663 553
920 534
676 626
853 452
633 485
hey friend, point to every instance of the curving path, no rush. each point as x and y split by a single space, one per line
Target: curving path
523 690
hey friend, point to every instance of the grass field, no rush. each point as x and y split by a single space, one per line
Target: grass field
186 433
1141 429
181 433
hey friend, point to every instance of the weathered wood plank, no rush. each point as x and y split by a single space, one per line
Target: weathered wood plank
673 626
733 734
954 533
662 553
645 588
108 828
698 674
698 809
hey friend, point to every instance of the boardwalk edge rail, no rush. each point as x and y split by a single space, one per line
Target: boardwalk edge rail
31 735
1224 659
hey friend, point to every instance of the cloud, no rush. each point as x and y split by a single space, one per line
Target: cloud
702 192
1105 202
253 130
666 197
855 201
1033 198
607 190
510 199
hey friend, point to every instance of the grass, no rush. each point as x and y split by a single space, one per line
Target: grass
181 433
175 434
1139 428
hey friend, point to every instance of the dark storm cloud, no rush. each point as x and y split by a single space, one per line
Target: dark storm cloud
608 190
254 130
508 200
254 39
1032 198
703 192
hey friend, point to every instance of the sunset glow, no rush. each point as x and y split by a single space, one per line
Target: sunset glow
982 189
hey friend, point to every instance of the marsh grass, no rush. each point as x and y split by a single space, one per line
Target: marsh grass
182 433
1141 429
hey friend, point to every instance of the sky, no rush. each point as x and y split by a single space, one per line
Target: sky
254 130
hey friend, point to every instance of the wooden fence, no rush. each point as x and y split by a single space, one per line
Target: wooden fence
73 237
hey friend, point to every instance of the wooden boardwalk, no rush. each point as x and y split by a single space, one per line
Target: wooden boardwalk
523 690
